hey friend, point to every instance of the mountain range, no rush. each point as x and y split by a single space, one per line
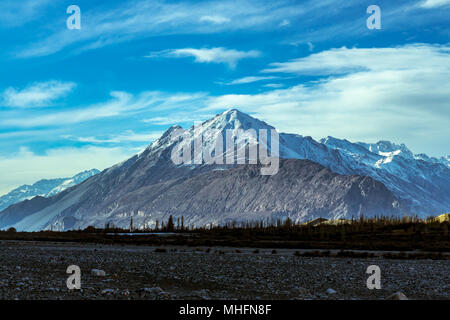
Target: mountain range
330 178
43 188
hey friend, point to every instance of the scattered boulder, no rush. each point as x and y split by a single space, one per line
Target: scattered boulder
155 290
331 291
397 296
98 273
202 294
108 291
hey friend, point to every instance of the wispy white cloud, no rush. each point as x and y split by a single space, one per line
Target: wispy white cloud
344 60
127 136
273 85
120 104
215 19
106 25
250 79
406 17
180 117
36 95
284 23
428 4
208 55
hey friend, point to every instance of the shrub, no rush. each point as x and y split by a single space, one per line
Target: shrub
90 229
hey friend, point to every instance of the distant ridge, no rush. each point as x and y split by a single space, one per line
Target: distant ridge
43 188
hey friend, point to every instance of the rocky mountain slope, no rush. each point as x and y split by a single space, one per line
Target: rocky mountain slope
421 183
301 190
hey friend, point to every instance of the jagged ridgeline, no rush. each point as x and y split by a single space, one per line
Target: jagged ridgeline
331 178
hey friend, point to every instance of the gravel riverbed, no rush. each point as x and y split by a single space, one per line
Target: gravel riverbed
37 270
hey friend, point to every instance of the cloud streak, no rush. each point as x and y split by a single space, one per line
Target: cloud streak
208 55
36 95
121 104
106 25
215 19
428 4
128 136
344 60
250 79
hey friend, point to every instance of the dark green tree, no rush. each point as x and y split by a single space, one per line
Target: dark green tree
170 225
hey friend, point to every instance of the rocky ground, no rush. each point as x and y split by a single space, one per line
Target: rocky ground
37 270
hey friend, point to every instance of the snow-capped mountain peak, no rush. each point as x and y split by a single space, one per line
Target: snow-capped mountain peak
70 182
43 188
234 125
235 119
388 149
343 144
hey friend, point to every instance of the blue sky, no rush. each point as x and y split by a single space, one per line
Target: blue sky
72 100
